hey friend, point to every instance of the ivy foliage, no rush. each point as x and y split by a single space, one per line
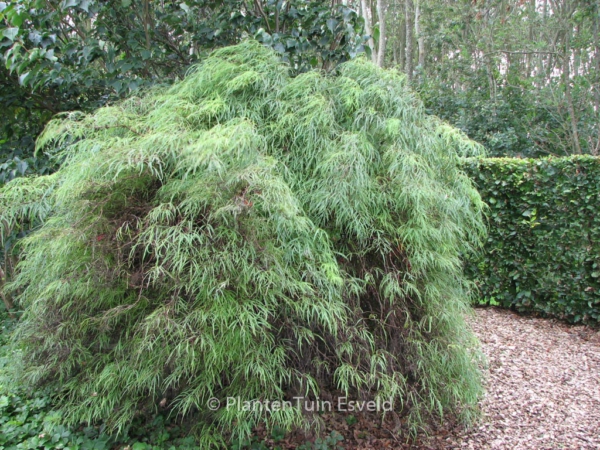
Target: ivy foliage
91 48
543 249
21 120
82 54
248 234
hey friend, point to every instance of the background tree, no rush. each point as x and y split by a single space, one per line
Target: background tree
519 76
522 77
81 54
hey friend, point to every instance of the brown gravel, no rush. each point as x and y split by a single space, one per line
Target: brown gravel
542 388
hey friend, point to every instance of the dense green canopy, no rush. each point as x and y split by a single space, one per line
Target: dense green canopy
248 234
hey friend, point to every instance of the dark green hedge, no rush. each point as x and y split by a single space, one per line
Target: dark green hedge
543 249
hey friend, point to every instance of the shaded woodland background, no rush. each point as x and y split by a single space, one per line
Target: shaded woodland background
521 77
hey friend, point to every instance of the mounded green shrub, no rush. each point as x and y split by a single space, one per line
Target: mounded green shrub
248 234
543 248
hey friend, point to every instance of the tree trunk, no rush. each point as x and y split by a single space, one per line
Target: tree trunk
408 10
541 58
420 39
382 33
576 55
569 98
366 13
401 44
529 56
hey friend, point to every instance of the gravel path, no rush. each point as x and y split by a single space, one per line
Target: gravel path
542 388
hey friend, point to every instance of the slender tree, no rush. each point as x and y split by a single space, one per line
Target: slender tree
409 22
381 13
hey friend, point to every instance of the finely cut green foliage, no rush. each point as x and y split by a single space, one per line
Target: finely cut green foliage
247 234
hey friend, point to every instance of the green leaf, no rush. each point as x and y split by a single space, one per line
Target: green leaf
10 33
376 33
85 5
16 19
69 3
23 78
50 55
332 24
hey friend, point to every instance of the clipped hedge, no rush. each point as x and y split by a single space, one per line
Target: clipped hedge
543 249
